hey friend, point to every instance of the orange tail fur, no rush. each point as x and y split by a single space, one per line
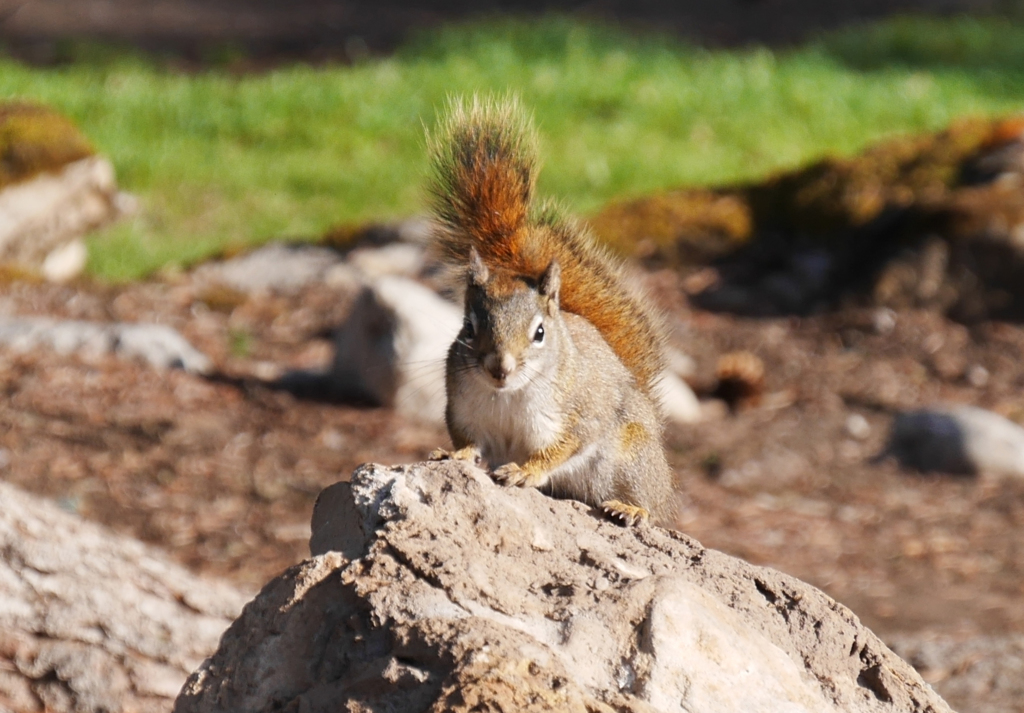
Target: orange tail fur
484 171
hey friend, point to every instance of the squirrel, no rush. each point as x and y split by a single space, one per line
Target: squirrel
552 378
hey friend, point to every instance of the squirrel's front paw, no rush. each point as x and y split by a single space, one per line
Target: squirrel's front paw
628 515
514 474
470 453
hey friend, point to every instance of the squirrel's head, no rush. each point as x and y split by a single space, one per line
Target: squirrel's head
512 324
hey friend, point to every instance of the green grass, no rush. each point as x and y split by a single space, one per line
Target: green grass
219 159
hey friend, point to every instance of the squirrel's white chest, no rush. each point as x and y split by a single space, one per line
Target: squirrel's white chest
507 427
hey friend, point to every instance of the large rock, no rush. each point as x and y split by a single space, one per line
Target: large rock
957 439
155 344
934 221
433 589
345 258
91 621
42 219
391 349
276 267
53 190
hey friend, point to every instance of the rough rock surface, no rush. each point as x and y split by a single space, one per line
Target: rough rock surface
90 621
431 588
155 344
42 217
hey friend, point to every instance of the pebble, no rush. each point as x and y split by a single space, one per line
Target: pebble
884 321
857 426
977 376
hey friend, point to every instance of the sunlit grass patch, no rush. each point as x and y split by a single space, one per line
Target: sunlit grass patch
218 159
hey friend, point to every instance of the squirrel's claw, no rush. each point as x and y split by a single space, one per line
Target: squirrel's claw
441 454
628 515
514 474
510 474
469 453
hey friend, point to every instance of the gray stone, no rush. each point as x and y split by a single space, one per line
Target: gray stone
160 346
858 427
394 249
276 267
343 277
957 439
156 344
681 364
432 588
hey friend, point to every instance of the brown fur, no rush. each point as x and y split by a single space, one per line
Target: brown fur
484 171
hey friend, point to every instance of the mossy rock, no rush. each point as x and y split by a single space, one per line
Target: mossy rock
681 227
35 139
932 221
826 202
836 195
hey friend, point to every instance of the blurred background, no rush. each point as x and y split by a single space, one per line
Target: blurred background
318 28
242 121
827 199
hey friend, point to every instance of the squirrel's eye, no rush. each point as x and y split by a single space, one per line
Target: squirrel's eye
467 328
538 336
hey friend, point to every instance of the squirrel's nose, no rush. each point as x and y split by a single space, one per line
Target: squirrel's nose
500 366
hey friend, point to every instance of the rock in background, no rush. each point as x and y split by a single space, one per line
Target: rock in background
391 350
275 267
53 190
431 588
91 621
964 440
157 345
930 221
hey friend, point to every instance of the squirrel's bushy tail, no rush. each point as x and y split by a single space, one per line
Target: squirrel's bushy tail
484 167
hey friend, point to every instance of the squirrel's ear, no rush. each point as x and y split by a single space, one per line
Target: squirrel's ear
550 282
478 272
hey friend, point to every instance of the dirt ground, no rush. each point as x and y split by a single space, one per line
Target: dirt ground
222 472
